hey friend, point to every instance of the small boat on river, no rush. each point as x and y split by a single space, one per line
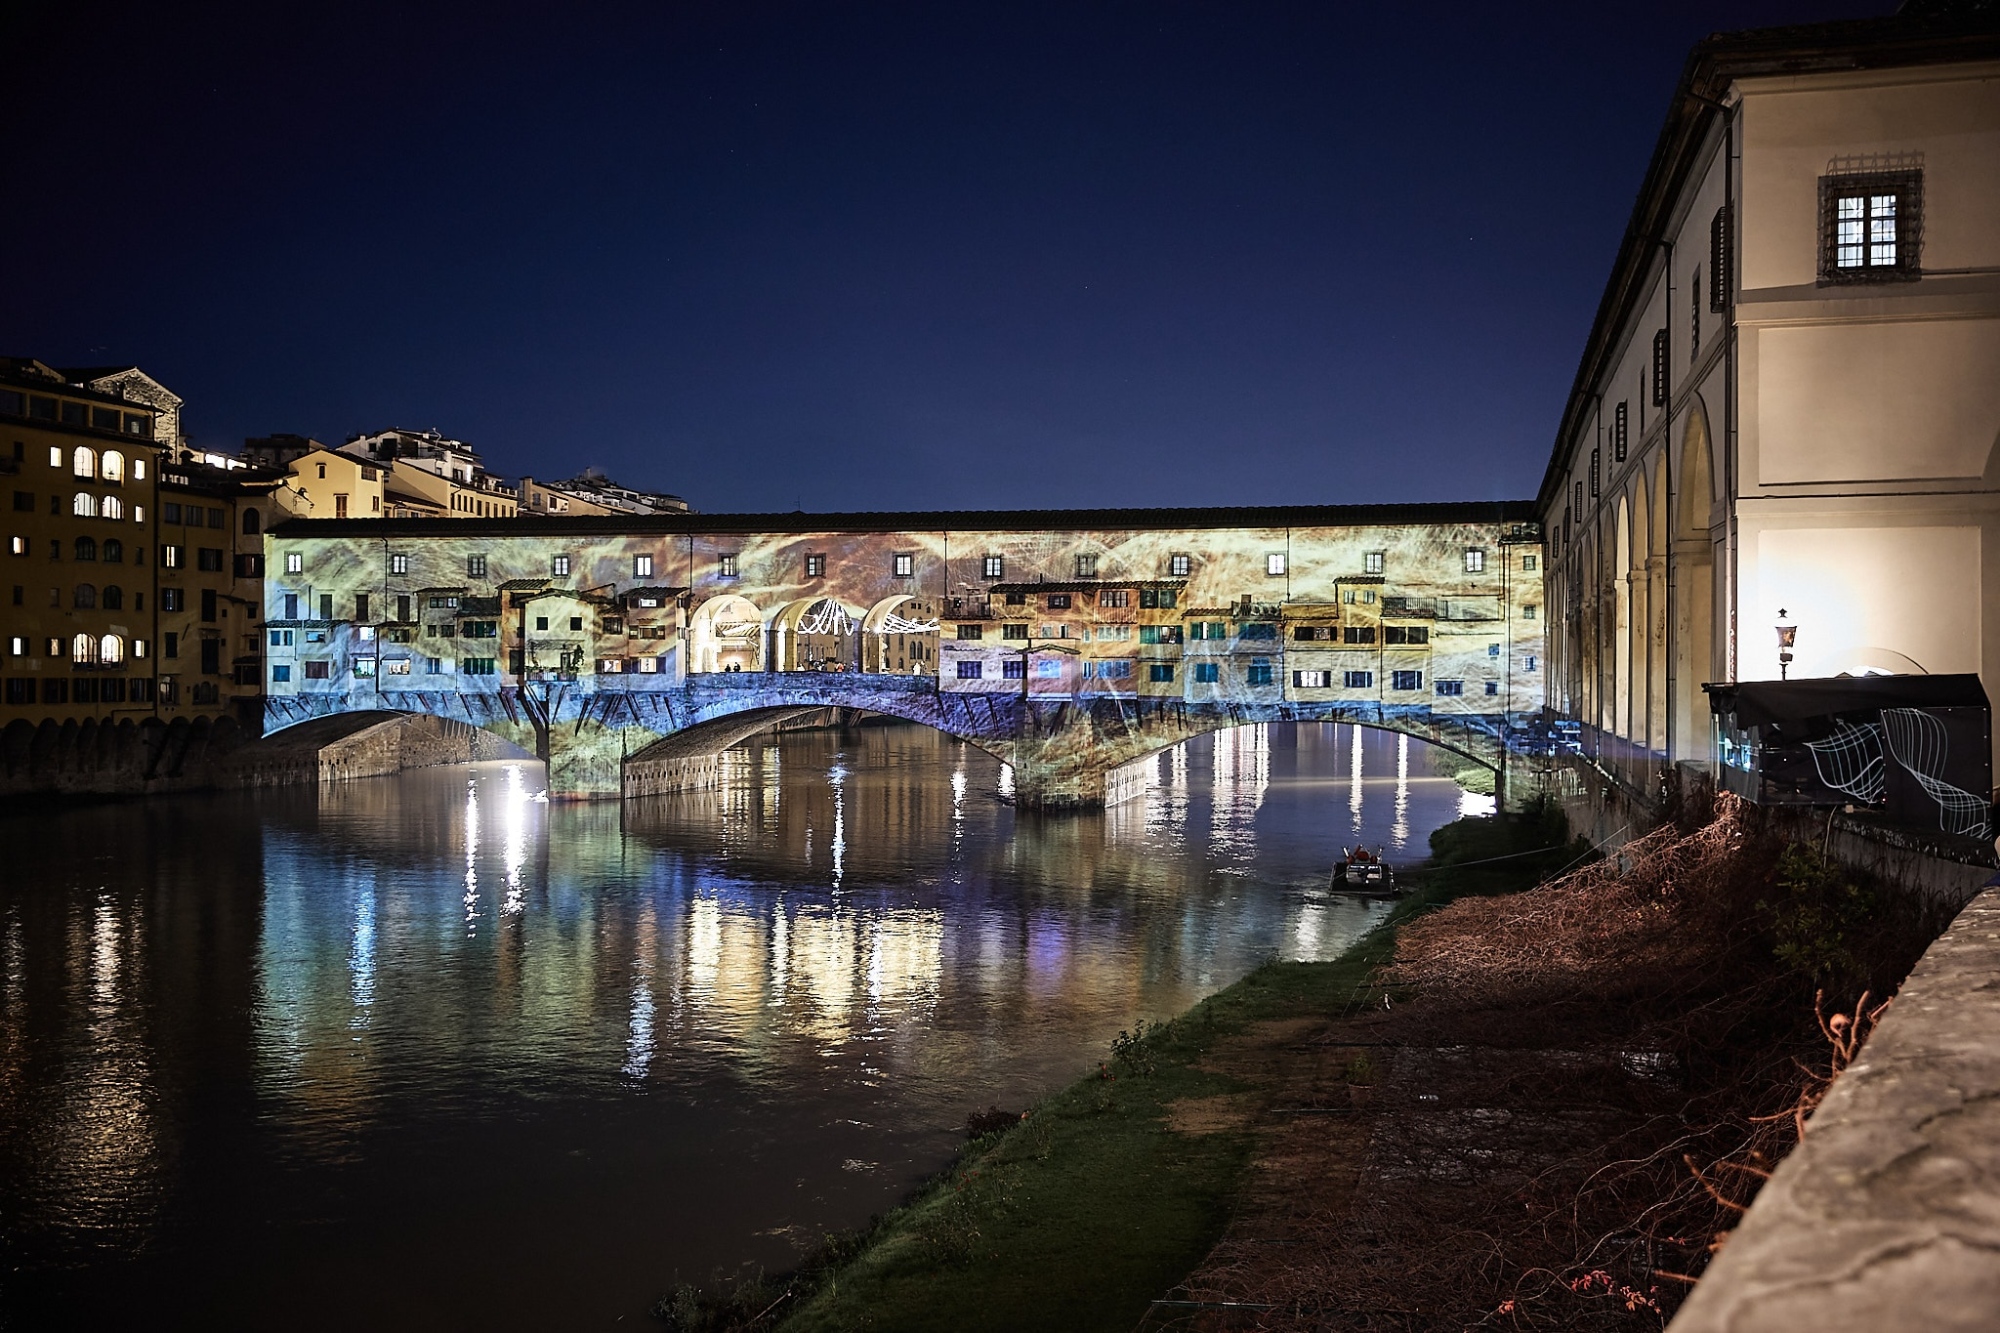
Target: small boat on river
1360 870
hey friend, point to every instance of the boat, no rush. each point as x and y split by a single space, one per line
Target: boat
1361 869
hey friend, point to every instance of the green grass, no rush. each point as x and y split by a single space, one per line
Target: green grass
1086 1211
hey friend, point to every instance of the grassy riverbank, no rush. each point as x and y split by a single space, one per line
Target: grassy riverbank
1082 1214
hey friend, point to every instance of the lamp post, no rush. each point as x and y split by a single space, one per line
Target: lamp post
1787 635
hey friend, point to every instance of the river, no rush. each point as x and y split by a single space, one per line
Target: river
426 1052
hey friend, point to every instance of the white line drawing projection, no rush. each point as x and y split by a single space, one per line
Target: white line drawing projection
1850 760
1918 742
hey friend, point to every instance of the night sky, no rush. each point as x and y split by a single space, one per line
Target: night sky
854 256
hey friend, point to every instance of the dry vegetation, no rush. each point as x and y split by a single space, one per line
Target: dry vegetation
1567 1095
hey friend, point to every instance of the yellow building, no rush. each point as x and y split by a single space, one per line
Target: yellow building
211 595
77 626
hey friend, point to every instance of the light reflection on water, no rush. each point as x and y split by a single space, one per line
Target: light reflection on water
250 1048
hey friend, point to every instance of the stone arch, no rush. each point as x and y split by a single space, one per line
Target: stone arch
726 634
1621 623
812 634
1693 593
900 635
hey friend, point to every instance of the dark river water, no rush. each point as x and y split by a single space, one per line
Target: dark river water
423 1052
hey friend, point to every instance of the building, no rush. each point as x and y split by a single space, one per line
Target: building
78 627
210 621
426 475
323 482
1789 401
590 494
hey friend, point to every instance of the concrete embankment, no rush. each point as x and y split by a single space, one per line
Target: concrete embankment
149 756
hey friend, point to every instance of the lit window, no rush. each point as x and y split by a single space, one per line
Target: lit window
1274 563
559 567
398 564
1870 225
1312 680
83 462
83 650
726 565
110 650
17 546
295 563
904 565
113 466
1178 566
138 469
138 513
113 508
815 566
1475 559
993 567
642 566
55 455
84 505
17 646
1372 562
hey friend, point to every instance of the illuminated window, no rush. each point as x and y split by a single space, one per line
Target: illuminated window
642 566
1179 565
398 564
112 468
83 462
1871 226
1274 563
139 464
112 508
84 505
726 565
903 565
1475 559
993 567
1372 562
295 562
815 566
1312 680
110 650
17 546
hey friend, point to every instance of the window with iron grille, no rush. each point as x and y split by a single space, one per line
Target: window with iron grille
1871 226
1660 369
1621 431
1596 466
1718 262
1694 314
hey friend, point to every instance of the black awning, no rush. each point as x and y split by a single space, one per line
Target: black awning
1775 702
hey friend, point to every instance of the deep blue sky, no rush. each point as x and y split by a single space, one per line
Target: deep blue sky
855 256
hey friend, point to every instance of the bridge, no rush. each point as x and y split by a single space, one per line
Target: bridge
628 652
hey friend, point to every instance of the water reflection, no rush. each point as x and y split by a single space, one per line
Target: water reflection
407 1019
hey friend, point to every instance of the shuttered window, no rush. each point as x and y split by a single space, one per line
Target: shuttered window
1718 262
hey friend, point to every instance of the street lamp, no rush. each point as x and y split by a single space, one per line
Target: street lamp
1787 635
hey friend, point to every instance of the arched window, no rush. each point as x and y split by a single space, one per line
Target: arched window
112 468
113 550
253 523
86 549
84 505
114 597
111 650
86 597
113 507
83 462
83 650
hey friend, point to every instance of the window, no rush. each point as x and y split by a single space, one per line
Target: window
1870 226
1718 262
325 605
1577 509
1528 563
318 671
1114 597
170 599
208 559
295 563
1013 631
576 624
1159 634
396 666
1358 680
1357 634
1450 689
1312 680
84 505
283 638
1086 566
1260 672
1274 564
83 462
559 567
815 566
280 674
993 567
112 467
480 666
642 566
364 667
112 508
1157 599
1159 673
1621 430
969 633
291 606
86 549
1660 368
1372 562
1179 565
971 670
1475 559
1528 665
1406 634
361 606
398 564
1014 668
725 565
1694 315
1207 673
1406 680
24 502
1492 688
475 566
1257 630
1209 629
85 597
1527 613
1048 669
1118 670
903 565
112 598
